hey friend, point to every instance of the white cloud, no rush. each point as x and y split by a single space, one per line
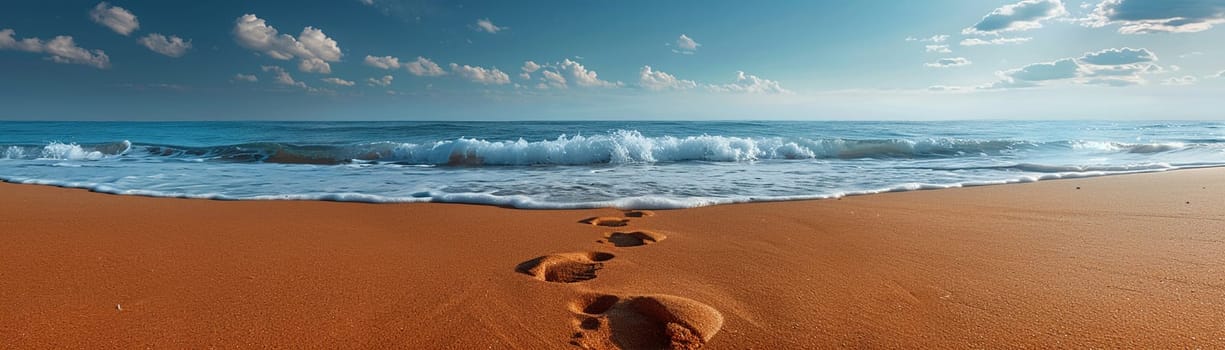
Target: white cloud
530 67
552 79
750 84
384 81
1125 55
581 75
1183 80
250 78
932 39
116 18
423 67
384 62
938 48
172 46
949 62
1191 54
312 46
1021 16
686 45
61 49
657 80
280 76
1109 67
338 81
993 41
491 76
1158 16
314 65
945 88
485 25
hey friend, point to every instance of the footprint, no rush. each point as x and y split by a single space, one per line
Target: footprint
639 213
565 267
644 322
606 221
633 239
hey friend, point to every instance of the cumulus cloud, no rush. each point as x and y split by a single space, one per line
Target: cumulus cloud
385 62
938 48
61 49
116 18
250 78
485 25
686 45
528 68
932 39
1109 67
750 84
583 76
280 76
1021 16
172 46
314 48
1183 80
551 79
993 41
314 65
1158 16
338 81
1118 56
658 80
423 67
487 76
384 81
949 62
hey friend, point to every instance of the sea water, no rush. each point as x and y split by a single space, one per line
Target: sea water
632 164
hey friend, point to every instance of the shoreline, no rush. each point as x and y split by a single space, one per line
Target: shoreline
1105 261
368 199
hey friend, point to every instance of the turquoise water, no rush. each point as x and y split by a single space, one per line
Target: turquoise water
584 164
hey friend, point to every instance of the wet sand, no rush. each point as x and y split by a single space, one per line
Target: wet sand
1132 261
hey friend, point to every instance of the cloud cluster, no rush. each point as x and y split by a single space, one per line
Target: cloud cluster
116 18
61 49
280 76
338 81
1155 16
949 62
993 41
1109 67
422 67
250 78
939 38
314 48
686 45
750 84
487 76
938 48
561 75
172 46
1021 16
485 25
384 81
656 80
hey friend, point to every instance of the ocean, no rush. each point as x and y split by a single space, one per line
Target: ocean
545 165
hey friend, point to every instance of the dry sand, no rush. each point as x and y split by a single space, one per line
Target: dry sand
1135 261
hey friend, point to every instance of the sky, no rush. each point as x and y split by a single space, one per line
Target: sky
622 60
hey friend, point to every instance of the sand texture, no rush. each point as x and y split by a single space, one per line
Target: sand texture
1132 261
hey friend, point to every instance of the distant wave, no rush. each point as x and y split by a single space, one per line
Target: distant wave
619 147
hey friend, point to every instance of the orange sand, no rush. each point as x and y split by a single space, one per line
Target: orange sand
1135 261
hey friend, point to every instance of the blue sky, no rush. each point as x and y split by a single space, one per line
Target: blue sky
494 60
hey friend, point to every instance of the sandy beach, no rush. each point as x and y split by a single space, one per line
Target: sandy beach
1130 261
